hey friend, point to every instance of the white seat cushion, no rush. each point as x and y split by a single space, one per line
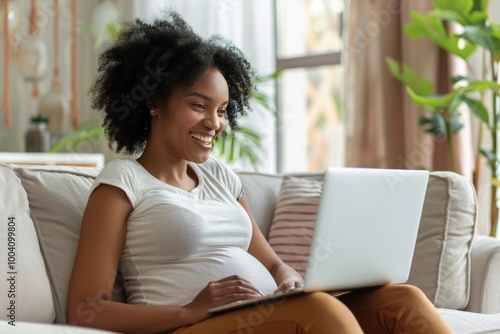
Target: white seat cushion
463 322
36 328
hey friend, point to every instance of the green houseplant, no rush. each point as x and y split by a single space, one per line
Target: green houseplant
479 94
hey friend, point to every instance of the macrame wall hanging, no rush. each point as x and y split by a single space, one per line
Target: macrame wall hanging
32 53
55 105
6 64
74 67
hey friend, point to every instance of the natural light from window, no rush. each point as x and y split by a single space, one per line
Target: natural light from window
310 86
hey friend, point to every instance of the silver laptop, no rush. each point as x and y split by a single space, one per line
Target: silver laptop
365 232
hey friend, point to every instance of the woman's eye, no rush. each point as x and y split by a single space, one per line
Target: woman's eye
199 106
221 112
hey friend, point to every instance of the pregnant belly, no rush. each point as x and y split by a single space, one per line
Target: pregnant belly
178 283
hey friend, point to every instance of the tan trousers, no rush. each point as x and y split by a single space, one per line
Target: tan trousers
401 309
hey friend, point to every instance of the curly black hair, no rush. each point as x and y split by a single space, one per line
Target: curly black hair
148 62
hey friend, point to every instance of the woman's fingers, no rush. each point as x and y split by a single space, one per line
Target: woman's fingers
233 288
226 290
290 284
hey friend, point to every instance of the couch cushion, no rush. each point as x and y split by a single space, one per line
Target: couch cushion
57 198
36 328
463 322
294 221
261 191
32 295
441 262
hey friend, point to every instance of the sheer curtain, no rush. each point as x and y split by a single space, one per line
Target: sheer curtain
250 25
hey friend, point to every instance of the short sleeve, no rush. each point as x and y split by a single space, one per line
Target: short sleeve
226 176
118 173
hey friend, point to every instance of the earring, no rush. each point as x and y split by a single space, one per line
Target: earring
153 112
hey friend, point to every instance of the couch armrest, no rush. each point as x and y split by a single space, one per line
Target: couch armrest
485 271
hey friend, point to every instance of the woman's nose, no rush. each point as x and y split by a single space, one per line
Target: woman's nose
212 121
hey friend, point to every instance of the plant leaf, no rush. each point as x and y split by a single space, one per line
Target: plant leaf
477 108
409 78
245 144
262 99
432 28
434 124
461 7
459 78
273 76
478 17
481 35
489 155
449 15
481 6
465 12
432 102
495 29
478 86
72 140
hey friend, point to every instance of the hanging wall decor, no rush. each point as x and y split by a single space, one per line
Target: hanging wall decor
32 53
54 105
74 66
14 15
10 22
6 63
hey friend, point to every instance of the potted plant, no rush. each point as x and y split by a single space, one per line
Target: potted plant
478 33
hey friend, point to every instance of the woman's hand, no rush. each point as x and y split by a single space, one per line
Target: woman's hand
291 283
221 292
286 277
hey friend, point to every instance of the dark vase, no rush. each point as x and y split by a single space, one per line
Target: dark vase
38 137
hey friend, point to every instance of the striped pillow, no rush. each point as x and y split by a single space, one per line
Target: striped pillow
294 219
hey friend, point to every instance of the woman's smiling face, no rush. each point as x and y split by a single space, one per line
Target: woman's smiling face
185 125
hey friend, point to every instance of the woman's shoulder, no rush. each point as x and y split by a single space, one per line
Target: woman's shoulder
215 166
220 173
117 168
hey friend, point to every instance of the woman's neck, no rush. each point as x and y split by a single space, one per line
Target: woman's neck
176 173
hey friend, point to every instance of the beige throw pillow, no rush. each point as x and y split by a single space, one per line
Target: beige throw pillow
441 262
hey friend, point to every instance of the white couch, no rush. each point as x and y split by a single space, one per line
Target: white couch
41 207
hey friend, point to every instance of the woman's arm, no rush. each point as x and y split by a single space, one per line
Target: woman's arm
102 238
285 276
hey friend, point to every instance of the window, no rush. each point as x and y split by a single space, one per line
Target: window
309 44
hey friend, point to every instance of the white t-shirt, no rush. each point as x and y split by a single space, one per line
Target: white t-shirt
178 241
